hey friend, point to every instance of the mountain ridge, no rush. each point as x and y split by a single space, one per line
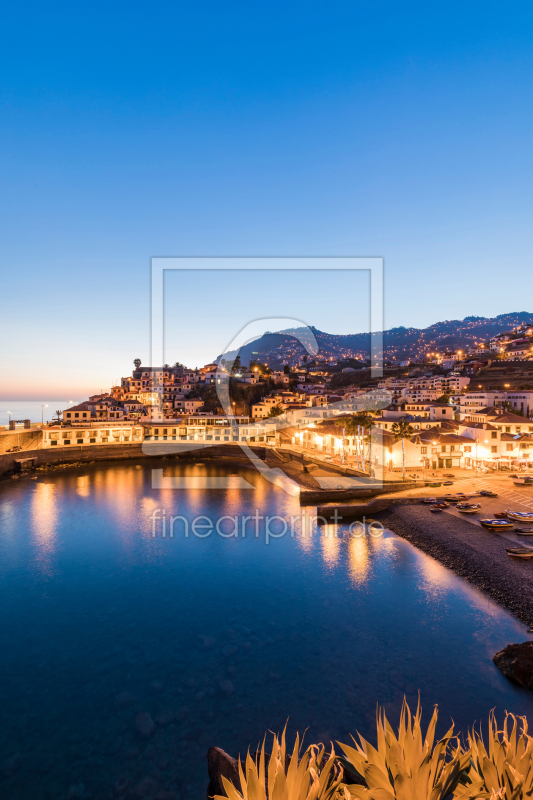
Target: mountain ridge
279 347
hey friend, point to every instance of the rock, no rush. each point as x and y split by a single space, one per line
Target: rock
11 764
226 687
199 696
516 663
76 792
148 787
165 717
124 699
165 794
182 713
156 686
397 679
208 641
229 650
120 787
220 764
144 724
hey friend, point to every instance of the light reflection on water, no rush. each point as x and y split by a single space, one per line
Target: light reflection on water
314 628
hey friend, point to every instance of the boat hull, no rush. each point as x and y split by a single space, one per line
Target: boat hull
502 526
519 517
517 554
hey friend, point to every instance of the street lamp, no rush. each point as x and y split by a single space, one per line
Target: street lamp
45 405
434 445
485 441
9 412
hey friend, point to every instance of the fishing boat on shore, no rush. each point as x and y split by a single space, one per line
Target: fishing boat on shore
496 524
524 531
519 552
526 481
520 516
468 508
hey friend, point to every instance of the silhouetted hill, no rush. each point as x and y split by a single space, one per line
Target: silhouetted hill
281 347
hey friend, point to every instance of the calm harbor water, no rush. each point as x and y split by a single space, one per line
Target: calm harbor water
34 410
218 638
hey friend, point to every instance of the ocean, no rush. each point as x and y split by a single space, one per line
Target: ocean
31 409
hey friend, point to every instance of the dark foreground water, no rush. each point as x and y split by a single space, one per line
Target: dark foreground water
218 639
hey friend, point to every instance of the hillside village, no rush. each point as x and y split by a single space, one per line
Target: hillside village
467 409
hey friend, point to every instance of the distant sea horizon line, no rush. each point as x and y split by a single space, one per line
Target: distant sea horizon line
34 410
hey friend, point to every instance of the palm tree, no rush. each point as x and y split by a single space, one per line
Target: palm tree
349 427
353 426
402 430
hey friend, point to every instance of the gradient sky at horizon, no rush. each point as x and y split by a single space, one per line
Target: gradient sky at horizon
130 130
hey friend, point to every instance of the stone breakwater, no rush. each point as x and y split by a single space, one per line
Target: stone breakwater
474 554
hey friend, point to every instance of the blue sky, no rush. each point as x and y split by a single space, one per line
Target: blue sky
130 130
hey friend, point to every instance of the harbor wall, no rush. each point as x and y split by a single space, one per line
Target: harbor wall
115 452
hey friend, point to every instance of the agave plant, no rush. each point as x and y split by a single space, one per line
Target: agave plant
505 769
311 777
407 766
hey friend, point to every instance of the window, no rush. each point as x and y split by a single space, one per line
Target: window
423 450
494 449
494 435
443 448
508 447
468 449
